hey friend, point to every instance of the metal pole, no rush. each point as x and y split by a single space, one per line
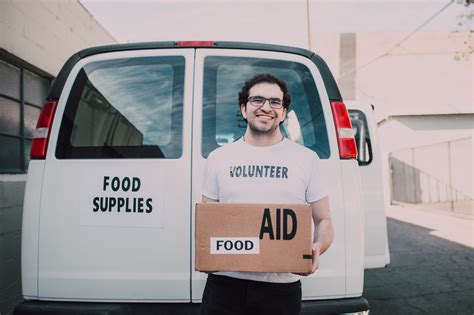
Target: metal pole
429 187
450 177
437 190
22 120
415 199
390 171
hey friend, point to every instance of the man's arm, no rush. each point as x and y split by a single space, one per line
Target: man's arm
323 230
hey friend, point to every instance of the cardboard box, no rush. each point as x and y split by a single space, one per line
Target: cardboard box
253 237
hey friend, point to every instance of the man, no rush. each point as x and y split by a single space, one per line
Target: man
264 102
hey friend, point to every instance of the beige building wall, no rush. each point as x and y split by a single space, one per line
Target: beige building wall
429 73
328 46
46 32
42 33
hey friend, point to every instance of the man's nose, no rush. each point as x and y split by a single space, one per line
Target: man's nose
266 106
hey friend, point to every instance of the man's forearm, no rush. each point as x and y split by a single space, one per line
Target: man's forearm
323 230
323 234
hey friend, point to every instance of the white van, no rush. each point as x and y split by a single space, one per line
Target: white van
116 169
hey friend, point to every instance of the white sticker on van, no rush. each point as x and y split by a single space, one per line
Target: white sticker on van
119 201
235 245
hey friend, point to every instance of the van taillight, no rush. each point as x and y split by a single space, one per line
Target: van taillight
39 145
344 132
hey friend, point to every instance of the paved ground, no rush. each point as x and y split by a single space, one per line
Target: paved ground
432 265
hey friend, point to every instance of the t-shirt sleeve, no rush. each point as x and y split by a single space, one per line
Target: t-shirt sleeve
317 184
210 187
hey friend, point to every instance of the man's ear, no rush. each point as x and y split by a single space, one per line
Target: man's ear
242 110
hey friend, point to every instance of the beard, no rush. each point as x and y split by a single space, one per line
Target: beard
259 129
262 131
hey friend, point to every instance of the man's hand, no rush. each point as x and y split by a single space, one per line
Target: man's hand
316 252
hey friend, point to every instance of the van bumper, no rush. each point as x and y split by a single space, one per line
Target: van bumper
357 305
346 306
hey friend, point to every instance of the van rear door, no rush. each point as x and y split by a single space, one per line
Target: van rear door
115 202
219 76
370 166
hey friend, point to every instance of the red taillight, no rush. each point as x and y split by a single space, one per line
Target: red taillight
195 43
39 144
344 132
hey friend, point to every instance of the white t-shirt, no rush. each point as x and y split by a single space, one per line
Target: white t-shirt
285 172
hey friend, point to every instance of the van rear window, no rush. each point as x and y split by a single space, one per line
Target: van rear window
125 108
222 121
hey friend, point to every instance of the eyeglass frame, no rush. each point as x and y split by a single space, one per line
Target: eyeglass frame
249 100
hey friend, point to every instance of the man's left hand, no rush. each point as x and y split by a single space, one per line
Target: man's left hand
315 251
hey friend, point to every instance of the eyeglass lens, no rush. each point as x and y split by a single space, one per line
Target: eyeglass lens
260 100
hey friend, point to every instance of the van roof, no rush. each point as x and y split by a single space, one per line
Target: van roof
329 81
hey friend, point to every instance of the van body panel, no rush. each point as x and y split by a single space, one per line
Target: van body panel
330 279
112 254
30 229
354 227
375 222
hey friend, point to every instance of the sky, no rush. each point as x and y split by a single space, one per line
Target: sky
145 20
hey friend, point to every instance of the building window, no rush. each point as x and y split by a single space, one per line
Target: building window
22 93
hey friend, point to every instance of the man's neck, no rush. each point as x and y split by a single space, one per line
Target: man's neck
262 140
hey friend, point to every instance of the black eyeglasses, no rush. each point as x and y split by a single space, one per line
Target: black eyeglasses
275 103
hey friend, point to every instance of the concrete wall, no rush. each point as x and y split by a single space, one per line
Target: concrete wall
429 73
347 61
12 189
44 33
438 146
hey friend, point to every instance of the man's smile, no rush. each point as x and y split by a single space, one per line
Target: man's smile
265 116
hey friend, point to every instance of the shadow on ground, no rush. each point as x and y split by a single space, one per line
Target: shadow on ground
427 275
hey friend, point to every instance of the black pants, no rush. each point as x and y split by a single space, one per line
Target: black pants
226 295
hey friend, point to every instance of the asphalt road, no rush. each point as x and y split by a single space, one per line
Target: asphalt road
427 274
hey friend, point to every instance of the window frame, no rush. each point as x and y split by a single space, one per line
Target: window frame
63 149
264 58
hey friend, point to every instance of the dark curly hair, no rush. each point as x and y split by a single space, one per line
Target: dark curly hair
264 78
